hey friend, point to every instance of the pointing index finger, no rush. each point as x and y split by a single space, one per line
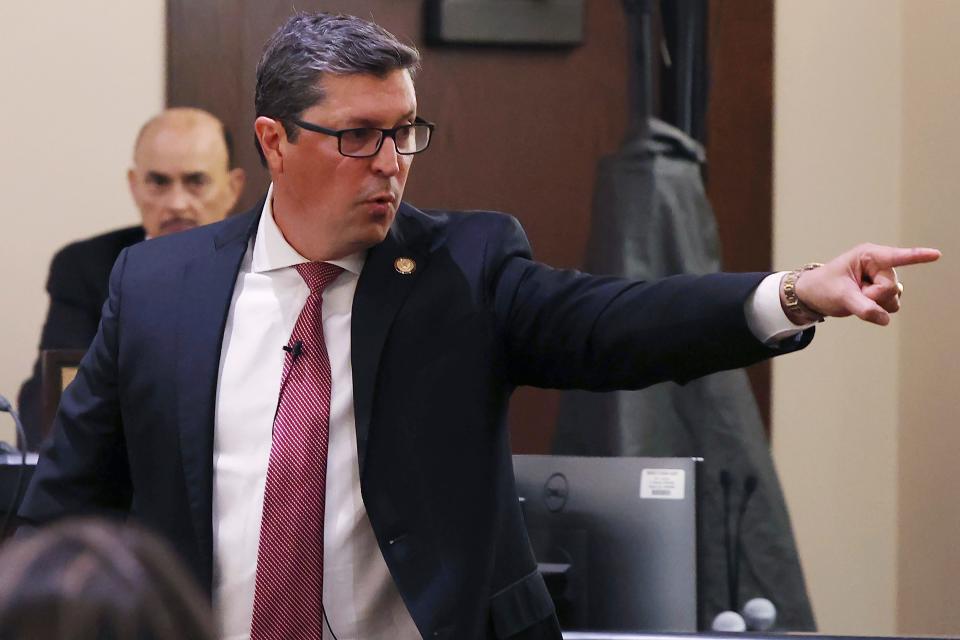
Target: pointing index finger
886 257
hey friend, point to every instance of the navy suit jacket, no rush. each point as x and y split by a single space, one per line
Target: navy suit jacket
436 355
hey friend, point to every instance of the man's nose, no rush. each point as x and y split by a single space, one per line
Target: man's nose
387 160
177 198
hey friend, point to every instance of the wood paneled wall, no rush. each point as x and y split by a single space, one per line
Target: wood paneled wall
520 130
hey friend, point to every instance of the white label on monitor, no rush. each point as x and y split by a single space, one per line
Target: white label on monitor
662 484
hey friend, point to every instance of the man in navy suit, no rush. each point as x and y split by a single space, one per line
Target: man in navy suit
429 321
182 177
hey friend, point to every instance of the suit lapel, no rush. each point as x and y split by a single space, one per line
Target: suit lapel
208 283
380 294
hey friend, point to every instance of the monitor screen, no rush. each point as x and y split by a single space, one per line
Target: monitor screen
615 538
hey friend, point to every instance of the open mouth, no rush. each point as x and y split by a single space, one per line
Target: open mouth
383 199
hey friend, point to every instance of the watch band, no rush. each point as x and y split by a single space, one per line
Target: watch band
796 311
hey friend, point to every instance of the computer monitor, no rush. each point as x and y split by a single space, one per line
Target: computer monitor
615 538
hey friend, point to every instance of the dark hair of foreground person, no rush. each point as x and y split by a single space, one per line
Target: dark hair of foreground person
97 580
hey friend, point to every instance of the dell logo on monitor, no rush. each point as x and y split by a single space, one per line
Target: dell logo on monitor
555 492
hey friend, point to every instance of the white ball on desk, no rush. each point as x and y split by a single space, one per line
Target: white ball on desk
729 621
760 614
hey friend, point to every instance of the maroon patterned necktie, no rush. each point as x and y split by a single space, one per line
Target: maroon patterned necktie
288 596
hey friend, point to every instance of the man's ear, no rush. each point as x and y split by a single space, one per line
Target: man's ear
132 183
270 134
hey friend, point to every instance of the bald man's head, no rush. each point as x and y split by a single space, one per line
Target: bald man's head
181 175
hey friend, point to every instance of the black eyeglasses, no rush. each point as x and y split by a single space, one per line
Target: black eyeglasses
364 142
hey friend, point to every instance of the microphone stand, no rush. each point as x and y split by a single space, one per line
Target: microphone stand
725 482
749 486
6 406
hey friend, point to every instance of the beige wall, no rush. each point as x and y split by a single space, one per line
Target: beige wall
79 79
929 497
866 148
837 182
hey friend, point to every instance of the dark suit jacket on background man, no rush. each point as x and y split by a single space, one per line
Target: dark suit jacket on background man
77 285
436 354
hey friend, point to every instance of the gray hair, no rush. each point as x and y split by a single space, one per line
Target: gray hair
310 45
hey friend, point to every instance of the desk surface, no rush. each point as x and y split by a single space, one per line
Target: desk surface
750 635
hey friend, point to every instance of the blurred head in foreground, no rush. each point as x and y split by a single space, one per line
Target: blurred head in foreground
86 579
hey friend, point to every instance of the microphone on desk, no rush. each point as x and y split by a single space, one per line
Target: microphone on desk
726 480
759 614
749 487
7 407
729 620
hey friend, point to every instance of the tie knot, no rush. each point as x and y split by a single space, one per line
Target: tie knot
318 275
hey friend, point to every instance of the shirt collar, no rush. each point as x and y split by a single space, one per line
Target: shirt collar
271 250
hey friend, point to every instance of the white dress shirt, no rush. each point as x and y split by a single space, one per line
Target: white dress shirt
359 595
360 598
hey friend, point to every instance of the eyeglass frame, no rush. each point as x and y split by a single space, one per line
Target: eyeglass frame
384 134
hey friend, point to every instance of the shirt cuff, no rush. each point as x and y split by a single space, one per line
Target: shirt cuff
765 315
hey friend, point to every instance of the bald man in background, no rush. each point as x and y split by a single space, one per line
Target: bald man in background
182 177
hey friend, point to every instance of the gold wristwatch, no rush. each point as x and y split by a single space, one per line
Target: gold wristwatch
798 312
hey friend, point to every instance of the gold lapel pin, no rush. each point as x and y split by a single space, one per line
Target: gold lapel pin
405 266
